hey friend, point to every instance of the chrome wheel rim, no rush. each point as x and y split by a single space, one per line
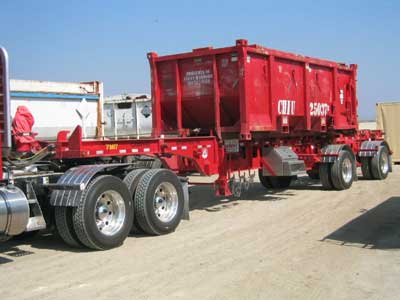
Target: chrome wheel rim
165 202
110 212
347 170
384 162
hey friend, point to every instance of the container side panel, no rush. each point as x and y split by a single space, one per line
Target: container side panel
346 102
197 82
289 94
259 104
167 81
321 94
228 75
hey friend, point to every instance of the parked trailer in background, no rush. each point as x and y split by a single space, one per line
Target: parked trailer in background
60 105
387 120
215 112
128 115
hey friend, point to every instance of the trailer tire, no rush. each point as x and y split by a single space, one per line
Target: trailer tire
159 202
275 182
380 163
342 171
65 226
5 238
313 174
366 167
103 218
131 180
325 175
264 180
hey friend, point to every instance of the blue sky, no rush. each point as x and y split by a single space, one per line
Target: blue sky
108 40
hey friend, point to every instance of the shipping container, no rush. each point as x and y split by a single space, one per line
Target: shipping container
128 115
387 120
250 89
60 105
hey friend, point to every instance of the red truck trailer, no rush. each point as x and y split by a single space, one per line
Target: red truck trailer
229 112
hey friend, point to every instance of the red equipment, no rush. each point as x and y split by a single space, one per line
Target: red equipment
216 111
22 125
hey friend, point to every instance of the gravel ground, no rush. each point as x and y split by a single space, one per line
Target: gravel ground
299 243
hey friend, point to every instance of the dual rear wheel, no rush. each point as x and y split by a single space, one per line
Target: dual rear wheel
147 200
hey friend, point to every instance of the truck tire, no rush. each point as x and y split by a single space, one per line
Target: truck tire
159 202
325 175
65 226
380 164
366 167
342 171
131 180
104 215
274 182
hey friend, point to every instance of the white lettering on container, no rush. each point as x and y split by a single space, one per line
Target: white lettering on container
198 77
286 107
318 109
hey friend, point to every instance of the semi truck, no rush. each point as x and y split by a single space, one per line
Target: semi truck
233 112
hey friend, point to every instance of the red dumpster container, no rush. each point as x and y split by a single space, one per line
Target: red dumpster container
249 90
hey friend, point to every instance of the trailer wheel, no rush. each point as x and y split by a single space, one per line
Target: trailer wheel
366 167
131 180
65 226
159 202
313 174
380 164
264 180
325 175
342 171
4 238
104 215
275 182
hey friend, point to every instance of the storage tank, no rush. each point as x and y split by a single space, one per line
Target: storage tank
60 106
128 115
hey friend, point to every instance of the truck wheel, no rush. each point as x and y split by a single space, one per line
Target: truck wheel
104 215
159 202
131 180
275 182
380 164
325 175
65 227
366 167
342 171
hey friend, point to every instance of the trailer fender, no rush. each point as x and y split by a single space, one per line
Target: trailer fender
371 148
330 154
68 189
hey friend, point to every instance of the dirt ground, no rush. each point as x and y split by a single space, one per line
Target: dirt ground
299 243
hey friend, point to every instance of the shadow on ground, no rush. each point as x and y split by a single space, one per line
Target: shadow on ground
377 228
13 249
202 197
